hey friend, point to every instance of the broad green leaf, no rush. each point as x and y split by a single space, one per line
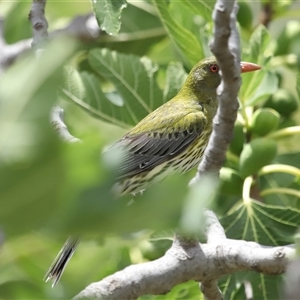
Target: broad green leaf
201 8
185 41
84 89
133 77
268 225
175 78
263 287
108 14
264 89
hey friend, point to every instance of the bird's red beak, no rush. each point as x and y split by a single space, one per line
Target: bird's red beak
249 67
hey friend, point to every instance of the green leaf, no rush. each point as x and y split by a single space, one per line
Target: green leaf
30 167
265 224
268 225
185 41
263 287
265 88
84 89
259 41
108 14
298 86
175 78
201 8
133 77
258 86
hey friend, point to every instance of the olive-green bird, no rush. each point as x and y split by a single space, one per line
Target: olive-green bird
170 139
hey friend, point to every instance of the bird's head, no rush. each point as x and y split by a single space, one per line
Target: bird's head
205 75
204 78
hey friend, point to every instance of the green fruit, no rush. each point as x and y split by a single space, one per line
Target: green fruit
283 102
290 33
244 15
231 182
264 120
256 154
237 143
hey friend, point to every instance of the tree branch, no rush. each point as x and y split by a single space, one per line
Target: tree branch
39 23
188 260
84 28
57 121
40 34
225 47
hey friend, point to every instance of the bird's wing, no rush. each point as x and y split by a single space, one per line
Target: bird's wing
143 151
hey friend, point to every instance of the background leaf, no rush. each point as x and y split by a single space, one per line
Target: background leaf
133 78
180 36
108 14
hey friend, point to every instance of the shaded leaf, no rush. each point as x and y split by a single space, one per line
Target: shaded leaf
133 77
265 224
84 90
175 78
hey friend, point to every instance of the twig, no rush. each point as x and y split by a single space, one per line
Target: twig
40 34
57 121
39 23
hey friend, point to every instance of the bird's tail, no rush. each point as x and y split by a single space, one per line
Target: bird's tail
56 269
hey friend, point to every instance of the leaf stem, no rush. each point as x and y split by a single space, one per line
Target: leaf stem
287 191
284 132
281 168
246 190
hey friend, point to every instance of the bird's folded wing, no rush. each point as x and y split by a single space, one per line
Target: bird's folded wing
144 151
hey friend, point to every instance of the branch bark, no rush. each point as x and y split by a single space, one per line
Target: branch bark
226 48
188 260
84 28
40 34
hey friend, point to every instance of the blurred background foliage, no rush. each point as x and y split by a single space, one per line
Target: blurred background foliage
49 189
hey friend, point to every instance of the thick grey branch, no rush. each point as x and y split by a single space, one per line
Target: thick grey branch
225 47
214 230
188 260
211 290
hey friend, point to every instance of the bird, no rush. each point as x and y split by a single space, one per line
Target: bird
171 139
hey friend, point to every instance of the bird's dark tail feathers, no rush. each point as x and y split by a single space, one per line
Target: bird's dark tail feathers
55 271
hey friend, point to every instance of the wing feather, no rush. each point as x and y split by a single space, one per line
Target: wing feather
146 150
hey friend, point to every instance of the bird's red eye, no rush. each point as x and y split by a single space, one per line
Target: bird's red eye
214 68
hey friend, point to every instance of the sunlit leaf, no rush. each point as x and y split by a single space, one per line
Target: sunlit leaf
181 37
108 14
201 8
